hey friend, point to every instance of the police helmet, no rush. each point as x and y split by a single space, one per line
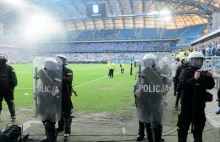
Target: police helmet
164 61
177 59
3 57
51 64
149 60
63 58
195 59
183 59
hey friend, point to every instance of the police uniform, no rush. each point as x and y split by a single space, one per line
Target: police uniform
67 106
8 81
193 100
153 129
148 104
47 104
131 67
176 80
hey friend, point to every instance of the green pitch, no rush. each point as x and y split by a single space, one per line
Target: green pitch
96 91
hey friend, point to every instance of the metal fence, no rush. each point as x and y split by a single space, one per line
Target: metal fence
212 63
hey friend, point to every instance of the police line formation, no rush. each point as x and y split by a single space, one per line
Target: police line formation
53 85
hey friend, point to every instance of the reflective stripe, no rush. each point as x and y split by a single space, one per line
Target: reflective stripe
57 79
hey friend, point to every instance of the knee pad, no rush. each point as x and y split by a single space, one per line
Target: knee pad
156 126
10 102
199 128
66 114
183 128
48 124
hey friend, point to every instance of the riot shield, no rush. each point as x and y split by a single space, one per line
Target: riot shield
47 88
153 89
165 66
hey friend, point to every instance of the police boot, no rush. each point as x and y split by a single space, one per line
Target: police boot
140 135
50 132
149 132
60 125
11 107
197 137
182 134
197 134
67 126
157 132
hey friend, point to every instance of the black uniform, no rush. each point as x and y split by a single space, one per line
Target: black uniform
122 68
218 93
193 103
67 106
8 81
131 68
176 80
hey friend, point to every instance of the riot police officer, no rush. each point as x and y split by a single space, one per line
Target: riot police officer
194 82
67 106
180 68
8 81
47 94
148 103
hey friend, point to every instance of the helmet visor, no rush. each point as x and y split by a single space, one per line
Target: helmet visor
149 63
197 62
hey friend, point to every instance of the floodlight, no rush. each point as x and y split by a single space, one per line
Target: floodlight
165 12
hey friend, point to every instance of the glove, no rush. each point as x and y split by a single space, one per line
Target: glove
137 93
217 111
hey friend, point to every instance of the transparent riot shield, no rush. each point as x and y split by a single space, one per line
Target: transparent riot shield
165 64
152 104
47 88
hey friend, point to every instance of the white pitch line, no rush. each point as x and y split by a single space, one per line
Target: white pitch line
94 80
80 84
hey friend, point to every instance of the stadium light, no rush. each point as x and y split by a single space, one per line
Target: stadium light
167 18
40 27
165 12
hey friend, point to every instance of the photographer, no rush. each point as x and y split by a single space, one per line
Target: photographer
194 83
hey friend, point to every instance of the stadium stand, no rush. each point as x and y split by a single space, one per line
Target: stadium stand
130 34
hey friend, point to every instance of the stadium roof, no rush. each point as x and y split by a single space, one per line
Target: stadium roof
121 14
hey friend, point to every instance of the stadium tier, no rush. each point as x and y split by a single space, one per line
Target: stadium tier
132 34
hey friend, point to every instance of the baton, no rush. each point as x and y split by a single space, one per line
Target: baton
140 76
69 94
194 104
35 83
72 90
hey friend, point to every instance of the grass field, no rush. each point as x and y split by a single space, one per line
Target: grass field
96 91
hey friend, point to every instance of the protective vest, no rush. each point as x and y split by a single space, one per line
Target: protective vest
111 66
4 79
181 55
